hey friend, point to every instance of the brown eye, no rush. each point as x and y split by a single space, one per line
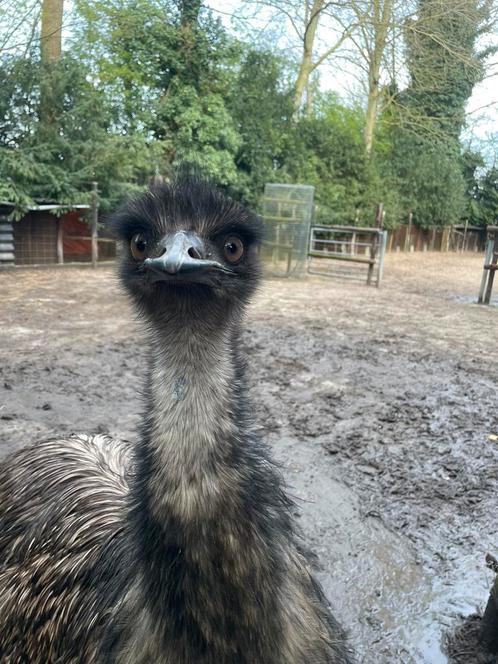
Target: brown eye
233 249
138 246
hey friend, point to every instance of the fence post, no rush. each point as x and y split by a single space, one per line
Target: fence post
60 241
382 254
95 219
493 266
485 273
464 242
409 231
379 216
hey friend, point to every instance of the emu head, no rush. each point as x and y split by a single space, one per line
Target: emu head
188 248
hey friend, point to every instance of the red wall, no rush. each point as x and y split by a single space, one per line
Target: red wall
74 227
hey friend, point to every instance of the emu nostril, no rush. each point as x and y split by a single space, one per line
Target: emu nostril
193 253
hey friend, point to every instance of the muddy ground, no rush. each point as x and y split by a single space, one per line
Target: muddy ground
381 406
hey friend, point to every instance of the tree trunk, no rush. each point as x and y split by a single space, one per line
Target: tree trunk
306 66
381 19
190 68
50 52
51 31
189 13
370 118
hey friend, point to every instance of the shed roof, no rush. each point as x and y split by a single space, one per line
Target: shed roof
41 207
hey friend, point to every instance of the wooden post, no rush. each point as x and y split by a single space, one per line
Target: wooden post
464 241
409 231
60 241
490 258
95 219
353 244
492 267
373 251
379 216
382 255
433 239
484 279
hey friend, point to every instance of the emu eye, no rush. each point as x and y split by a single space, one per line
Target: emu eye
138 246
233 249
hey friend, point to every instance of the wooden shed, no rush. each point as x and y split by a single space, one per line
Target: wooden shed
44 236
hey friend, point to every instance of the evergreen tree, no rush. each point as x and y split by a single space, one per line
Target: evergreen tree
444 67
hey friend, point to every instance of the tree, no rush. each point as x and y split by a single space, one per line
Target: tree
301 22
51 31
375 19
50 55
429 114
309 62
168 68
261 105
444 64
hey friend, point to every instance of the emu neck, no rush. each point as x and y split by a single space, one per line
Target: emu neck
191 427
212 532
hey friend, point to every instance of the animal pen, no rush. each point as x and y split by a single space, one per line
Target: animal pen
51 234
287 213
490 266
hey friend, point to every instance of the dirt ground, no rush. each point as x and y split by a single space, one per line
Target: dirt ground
381 406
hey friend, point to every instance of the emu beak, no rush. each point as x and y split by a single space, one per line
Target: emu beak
183 259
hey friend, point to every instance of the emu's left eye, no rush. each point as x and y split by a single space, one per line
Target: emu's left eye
138 247
233 249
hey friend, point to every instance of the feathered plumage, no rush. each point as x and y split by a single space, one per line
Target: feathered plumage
179 549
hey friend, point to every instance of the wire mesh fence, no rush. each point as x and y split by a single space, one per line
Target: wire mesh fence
287 214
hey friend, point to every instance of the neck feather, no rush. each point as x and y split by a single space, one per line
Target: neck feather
191 424
212 523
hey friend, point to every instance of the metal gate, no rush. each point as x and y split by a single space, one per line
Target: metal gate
345 251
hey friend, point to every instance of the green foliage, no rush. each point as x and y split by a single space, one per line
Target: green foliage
56 159
327 151
261 105
425 161
443 63
482 191
199 130
428 177
146 85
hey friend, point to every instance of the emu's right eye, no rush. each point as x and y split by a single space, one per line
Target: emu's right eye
138 246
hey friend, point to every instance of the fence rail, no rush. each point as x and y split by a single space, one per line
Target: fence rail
348 247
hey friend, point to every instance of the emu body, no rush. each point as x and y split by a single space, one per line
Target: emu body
180 548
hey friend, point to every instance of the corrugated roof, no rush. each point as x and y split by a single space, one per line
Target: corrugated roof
48 206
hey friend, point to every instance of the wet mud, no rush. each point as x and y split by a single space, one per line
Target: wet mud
381 406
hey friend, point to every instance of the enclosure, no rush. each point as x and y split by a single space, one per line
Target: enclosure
287 214
50 234
380 405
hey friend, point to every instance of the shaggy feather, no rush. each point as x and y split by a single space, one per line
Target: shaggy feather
180 548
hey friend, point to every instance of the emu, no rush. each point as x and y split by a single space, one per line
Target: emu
181 548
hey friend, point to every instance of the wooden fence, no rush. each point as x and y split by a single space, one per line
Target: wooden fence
490 266
447 238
